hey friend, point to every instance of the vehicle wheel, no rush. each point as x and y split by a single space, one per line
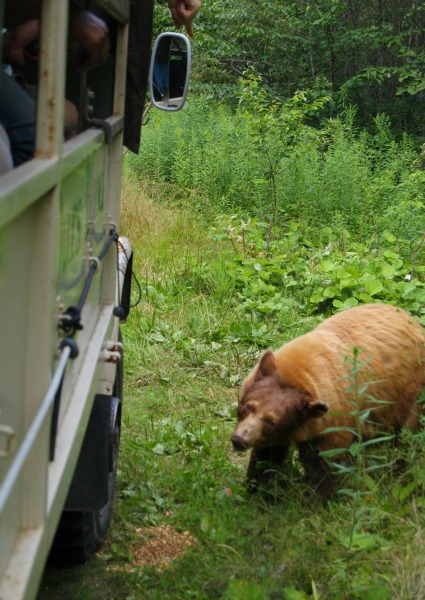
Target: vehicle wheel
81 532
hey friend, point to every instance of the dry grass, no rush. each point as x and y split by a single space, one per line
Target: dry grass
160 546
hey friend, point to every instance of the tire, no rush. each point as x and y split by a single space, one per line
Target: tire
80 533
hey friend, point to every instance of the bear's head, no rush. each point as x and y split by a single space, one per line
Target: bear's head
270 413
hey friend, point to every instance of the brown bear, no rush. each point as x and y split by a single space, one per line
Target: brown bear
308 386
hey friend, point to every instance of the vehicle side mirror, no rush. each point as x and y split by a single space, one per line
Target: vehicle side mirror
170 71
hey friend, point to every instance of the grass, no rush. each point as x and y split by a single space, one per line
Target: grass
184 362
256 159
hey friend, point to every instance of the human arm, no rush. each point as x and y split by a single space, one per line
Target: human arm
183 13
88 39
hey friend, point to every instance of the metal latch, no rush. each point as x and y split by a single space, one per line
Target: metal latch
9 436
112 352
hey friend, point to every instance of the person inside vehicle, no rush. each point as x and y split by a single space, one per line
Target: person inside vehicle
89 41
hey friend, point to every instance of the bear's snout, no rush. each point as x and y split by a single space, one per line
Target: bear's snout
239 443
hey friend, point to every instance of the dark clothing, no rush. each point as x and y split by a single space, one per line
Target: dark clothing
139 52
17 108
17 115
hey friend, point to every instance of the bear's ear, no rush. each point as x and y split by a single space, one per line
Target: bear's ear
266 366
315 409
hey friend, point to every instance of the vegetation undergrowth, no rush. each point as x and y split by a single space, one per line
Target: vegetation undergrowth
213 294
250 226
264 159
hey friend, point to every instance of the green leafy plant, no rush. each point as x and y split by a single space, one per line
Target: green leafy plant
273 126
359 539
268 273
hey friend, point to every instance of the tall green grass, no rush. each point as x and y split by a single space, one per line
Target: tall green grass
367 182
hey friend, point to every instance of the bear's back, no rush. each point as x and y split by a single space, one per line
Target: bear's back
361 324
391 356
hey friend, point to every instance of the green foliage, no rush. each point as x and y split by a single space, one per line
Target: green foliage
362 54
359 539
271 274
243 590
188 344
268 160
274 127
255 227
336 219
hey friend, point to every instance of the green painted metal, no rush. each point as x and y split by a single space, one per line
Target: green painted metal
56 212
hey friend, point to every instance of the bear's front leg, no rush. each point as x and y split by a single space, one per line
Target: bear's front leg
317 471
262 462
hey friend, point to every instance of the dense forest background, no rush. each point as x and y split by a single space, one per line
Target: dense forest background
368 54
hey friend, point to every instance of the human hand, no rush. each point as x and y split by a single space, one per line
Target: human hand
89 39
183 13
16 43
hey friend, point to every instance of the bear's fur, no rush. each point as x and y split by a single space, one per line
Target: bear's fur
294 394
